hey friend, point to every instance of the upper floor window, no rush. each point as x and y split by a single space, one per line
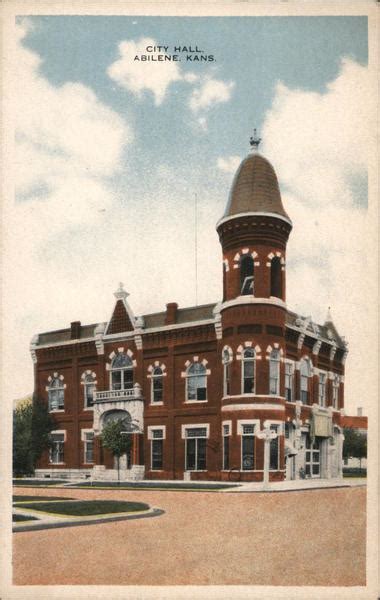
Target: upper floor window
89 387
226 372
274 373
335 391
276 277
122 372
248 371
288 382
196 382
305 373
56 393
246 275
157 385
322 389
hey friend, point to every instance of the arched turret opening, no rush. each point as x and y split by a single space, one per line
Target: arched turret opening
276 277
246 275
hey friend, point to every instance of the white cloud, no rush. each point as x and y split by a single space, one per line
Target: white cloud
317 143
210 92
229 164
68 145
140 76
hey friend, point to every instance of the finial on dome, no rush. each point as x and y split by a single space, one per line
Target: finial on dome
254 141
120 293
328 316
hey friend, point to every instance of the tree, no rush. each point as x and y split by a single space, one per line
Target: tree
42 425
22 430
114 440
355 444
32 425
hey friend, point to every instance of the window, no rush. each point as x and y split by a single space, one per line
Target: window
88 447
157 449
196 381
322 389
248 371
335 390
224 282
304 375
288 382
248 447
226 372
57 441
122 372
274 373
157 385
196 449
226 447
89 389
56 394
246 275
276 277
274 450
312 458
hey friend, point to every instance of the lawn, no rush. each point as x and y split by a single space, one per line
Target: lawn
37 482
154 485
16 518
79 508
18 499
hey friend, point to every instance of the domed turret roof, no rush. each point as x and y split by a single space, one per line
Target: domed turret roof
255 189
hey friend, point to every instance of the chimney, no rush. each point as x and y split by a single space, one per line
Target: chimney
171 313
75 330
360 411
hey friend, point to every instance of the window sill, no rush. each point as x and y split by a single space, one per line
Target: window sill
88 408
57 410
195 401
58 463
156 404
197 470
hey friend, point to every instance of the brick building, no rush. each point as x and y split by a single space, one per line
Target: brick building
199 388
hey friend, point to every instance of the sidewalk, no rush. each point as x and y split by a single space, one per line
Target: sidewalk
297 485
50 521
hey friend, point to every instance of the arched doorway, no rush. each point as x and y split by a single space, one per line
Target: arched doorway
128 427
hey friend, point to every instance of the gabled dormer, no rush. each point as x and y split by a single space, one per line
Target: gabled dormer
122 318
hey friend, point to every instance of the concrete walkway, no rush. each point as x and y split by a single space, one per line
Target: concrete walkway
49 521
297 485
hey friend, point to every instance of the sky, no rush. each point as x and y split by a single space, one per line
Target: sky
113 151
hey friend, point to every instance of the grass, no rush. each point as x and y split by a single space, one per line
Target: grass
80 508
145 485
18 499
37 482
16 518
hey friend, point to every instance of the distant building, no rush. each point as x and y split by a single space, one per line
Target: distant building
196 387
360 424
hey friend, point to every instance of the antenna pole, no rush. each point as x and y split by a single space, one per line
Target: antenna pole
196 246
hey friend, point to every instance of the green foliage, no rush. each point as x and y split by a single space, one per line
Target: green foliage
42 425
22 435
355 444
114 440
32 424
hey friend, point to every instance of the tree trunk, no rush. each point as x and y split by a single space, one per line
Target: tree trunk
118 468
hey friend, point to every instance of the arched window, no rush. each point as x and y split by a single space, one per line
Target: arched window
122 372
226 372
224 282
335 390
89 387
246 275
276 277
304 376
157 385
248 371
322 389
196 382
274 373
56 394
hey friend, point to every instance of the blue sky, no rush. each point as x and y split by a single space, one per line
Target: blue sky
111 152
